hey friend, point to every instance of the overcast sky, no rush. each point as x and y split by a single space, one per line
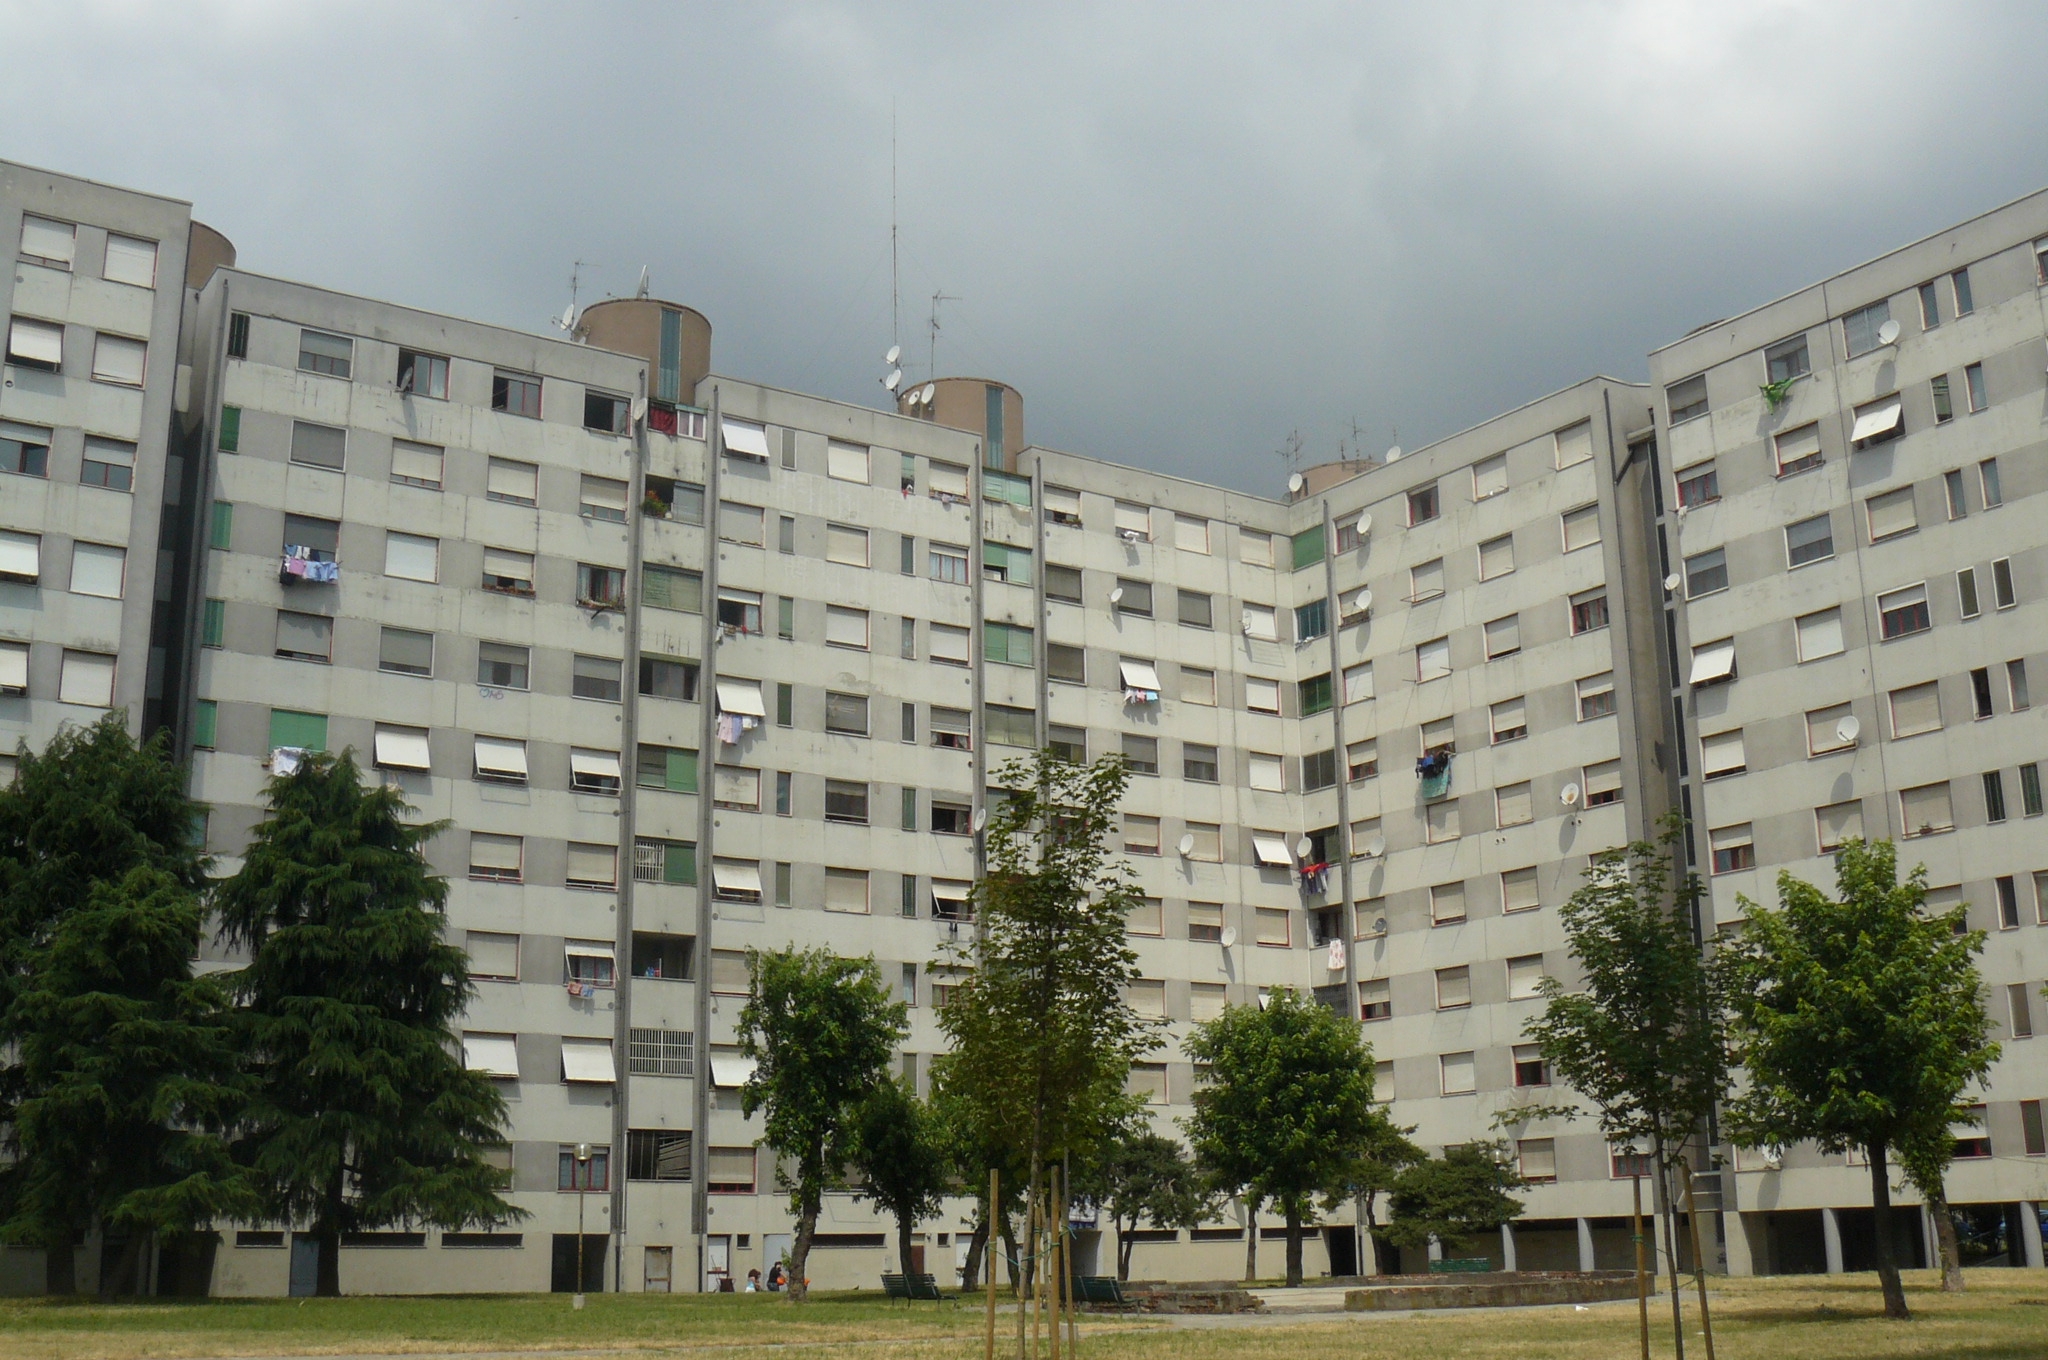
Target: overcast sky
1183 230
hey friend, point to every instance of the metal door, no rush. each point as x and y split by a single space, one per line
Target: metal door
658 1269
305 1266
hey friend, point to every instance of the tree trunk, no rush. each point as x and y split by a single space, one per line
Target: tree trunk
124 1278
326 1236
1124 1243
1009 1238
60 1264
800 1250
1670 1249
903 1226
1251 1239
977 1248
1945 1242
1293 1245
1881 1204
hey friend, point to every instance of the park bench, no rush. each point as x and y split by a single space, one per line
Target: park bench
908 1287
1461 1265
1098 1289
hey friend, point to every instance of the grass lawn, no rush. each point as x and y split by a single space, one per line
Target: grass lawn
2004 1316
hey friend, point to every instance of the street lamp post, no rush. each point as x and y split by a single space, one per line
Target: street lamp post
582 1193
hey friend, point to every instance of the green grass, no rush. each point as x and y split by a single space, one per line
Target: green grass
2004 1316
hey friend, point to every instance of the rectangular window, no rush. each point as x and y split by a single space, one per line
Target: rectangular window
414 464
1314 695
1309 547
1457 1073
1787 360
205 723
1063 506
847 801
1426 580
35 344
1198 686
501 665
1509 719
2030 790
785 801
1698 485
1513 805
410 557
1810 540
1967 603
1490 477
1876 422
1319 770
847 462
1574 444
1901 613
1952 490
846 714
304 637
24 449
1798 450
1916 709
1140 837
1589 610
1362 760
516 394
87 678
109 463
665 677
846 628
1980 690
1819 634
1003 562
2002 593
1453 988
1133 522
1930 307
2020 1009
665 767
947 644
596 677
739 611
1447 903
1603 783
740 524
1358 683
1688 399
1994 797
1196 609
1433 660
98 569
1191 534
1348 537
846 890
2016 685
1973 379
671 588
300 731
946 563
423 375
48 242
1734 848
1496 557
1706 573
320 352
1723 754
906 556
322 446
1891 514
1926 810
1423 505
846 545
1860 327
1531 1070
238 335
1987 481
1132 597
602 498
1062 583
1141 754
1836 823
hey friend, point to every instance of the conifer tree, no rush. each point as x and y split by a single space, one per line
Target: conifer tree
361 1113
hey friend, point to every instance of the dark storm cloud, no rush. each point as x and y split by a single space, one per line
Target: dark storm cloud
1183 231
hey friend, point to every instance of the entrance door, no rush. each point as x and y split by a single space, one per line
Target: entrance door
659 1269
774 1246
305 1266
562 1275
717 1263
1342 1241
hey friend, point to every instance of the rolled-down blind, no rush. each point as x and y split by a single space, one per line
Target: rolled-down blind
487 851
588 1060
846 462
494 1055
88 679
946 479
1926 808
415 462
846 544
1058 501
846 627
512 481
501 756
730 1166
130 260
846 890
736 785
596 865
48 240
509 565
1722 753
492 954
35 342
1916 708
604 493
411 557
1504 635
402 748
13 666
1603 778
1820 634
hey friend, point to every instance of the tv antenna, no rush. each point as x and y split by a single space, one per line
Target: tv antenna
571 318
1289 451
640 289
932 353
895 273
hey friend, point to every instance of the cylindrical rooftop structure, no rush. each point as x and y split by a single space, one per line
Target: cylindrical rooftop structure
206 250
994 410
675 341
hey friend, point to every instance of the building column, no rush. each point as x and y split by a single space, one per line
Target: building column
1586 1244
1436 1250
1930 1243
1831 1240
2030 1232
1736 1238
1507 1247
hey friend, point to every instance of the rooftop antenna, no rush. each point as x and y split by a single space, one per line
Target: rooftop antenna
895 274
640 291
932 353
571 318
1289 451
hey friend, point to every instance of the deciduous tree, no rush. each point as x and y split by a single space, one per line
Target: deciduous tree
1145 1177
900 1152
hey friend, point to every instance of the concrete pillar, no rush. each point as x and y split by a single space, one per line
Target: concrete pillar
1736 1238
2030 1232
1507 1247
1831 1239
1436 1250
1930 1244
1585 1244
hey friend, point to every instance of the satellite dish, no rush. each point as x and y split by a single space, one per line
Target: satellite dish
1569 795
930 390
895 377
1394 453
1362 601
1302 847
1673 581
1849 728
1364 525
1229 936
1187 844
1379 925
895 353
980 818
1116 596
1296 482
1888 333
1375 847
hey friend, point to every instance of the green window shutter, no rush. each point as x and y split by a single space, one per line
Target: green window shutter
682 771
679 863
305 730
910 809
785 705
785 617
214 624
1001 486
1006 644
1308 547
668 588
223 525
205 722
230 429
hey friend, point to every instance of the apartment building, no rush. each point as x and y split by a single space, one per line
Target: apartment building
90 382
1850 507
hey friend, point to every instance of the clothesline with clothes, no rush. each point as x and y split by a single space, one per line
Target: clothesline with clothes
733 726
299 564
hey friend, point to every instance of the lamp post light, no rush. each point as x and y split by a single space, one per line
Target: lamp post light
582 1194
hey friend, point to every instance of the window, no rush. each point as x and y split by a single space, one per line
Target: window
1786 360
1798 450
1489 477
740 524
1457 1073
1824 730
516 394
24 449
592 866
1068 743
323 446
846 714
949 819
1916 709
1687 399
87 678
1133 522
1348 537
1196 609
1532 1070
1602 783
1987 480
846 628
512 482
739 610
947 563
1980 690
1944 407
604 412
671 862
594 1173
406 652
1422 505
1447 903
1994 797
1198 686
658 1154
2002 594
1198 763
594 771
596 677
785 797
1733 847
2019 1008
1877 422
1314 694
501 665
411 464
1270 927
1589 610
731 1171
1819 634
1191 534
1926 810
238 335
1891 514
1141 837
1062 583
671 588
410 557
1362 760
1581 527
1453 988
1063 506
304 637
1132 597
109 463
1973 379
1837 823
2030 790
1706 573
494 858
602 498
845 801
492 956
665 767
1426 581
947 644
1509 719
1903 612
1952 491
1723 754
1319 770
213 624
664 677
1261 695
1308 547
423 375
1002 562
1513 805
1433 660
846 890
2016 685
1712 662
1358 682
48 242
1141 754
1698 485
1810 540
320 352
1930 307
2034 1134
1860 327
1255 548
98 569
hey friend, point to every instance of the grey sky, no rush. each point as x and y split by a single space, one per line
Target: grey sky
1182 230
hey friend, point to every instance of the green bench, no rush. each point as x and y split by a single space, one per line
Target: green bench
1461 1265
908 1287
1098 1289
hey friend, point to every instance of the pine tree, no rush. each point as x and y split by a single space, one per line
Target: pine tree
362 1114
81 819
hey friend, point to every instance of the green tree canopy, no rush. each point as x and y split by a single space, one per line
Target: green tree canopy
362 1112
1454 1198
1287 1110
1859 1020
1145 1177
901 1153
821 1030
